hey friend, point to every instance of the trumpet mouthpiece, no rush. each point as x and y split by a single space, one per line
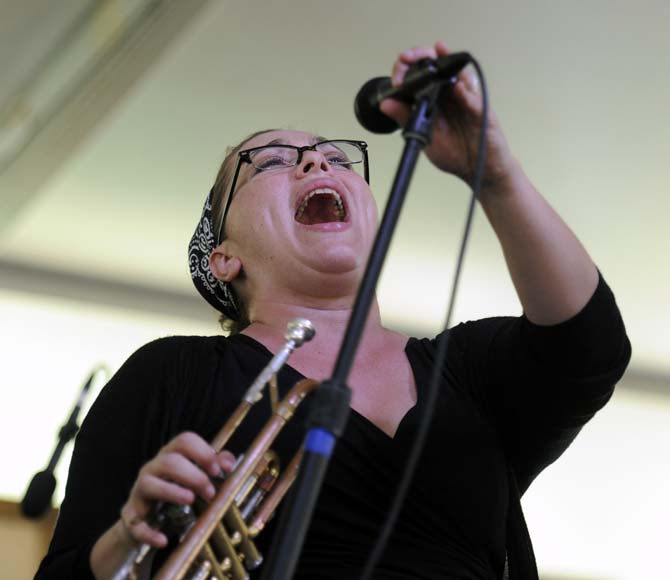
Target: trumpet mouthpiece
299 331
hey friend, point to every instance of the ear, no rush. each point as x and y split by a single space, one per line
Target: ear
223 264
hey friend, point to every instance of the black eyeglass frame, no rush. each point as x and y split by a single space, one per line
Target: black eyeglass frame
245 156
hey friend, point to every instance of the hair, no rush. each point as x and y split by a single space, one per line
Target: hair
221 185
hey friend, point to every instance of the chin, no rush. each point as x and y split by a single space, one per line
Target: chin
333 259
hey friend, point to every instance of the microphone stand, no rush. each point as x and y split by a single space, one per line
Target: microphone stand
330 406
37 499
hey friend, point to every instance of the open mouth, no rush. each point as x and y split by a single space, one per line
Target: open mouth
320 206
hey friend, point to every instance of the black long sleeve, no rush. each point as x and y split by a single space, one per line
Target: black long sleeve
512 392
541 384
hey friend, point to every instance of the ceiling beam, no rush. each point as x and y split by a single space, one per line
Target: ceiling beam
76 109
35 280
44 282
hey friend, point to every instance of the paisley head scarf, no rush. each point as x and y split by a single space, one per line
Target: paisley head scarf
218 293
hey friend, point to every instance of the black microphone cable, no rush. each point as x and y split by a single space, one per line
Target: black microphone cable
441 356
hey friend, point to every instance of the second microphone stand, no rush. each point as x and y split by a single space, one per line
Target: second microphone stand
330 405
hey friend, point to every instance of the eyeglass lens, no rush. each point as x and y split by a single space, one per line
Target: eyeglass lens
338 153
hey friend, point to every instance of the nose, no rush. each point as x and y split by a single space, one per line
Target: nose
312 162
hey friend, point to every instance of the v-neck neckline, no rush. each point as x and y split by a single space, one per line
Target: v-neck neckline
411 359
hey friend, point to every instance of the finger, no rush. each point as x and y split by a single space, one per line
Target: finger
143 533
176 468
417 53
407 58
470 99
470 80
195 448
226 461
441 48
398 111
151 488
136 529
398 73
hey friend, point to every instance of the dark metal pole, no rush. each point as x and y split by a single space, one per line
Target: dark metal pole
330 408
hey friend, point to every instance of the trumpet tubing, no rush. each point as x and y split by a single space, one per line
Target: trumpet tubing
218 542
222 506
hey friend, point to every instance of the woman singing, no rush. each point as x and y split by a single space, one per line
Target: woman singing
285 233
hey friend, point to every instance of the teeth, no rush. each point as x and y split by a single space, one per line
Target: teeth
337 201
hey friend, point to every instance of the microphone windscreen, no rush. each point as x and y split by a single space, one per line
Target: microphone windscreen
38 496
366 107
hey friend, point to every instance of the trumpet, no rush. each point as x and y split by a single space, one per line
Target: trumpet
217 539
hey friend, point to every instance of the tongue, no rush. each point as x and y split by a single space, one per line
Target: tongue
320 209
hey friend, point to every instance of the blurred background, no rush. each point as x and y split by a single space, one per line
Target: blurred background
114 117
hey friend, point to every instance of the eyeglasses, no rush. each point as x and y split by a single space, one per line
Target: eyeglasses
341 153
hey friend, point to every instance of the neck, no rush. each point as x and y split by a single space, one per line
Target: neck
269 320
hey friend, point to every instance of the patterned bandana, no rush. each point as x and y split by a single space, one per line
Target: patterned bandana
218 293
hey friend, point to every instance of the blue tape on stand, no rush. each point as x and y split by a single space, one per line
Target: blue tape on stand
320 441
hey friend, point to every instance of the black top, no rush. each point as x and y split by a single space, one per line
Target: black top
513 393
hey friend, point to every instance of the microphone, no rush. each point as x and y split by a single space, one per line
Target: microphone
420 75
38 496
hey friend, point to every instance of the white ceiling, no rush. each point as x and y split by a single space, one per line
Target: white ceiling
114 191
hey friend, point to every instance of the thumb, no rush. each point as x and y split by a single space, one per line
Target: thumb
398 111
